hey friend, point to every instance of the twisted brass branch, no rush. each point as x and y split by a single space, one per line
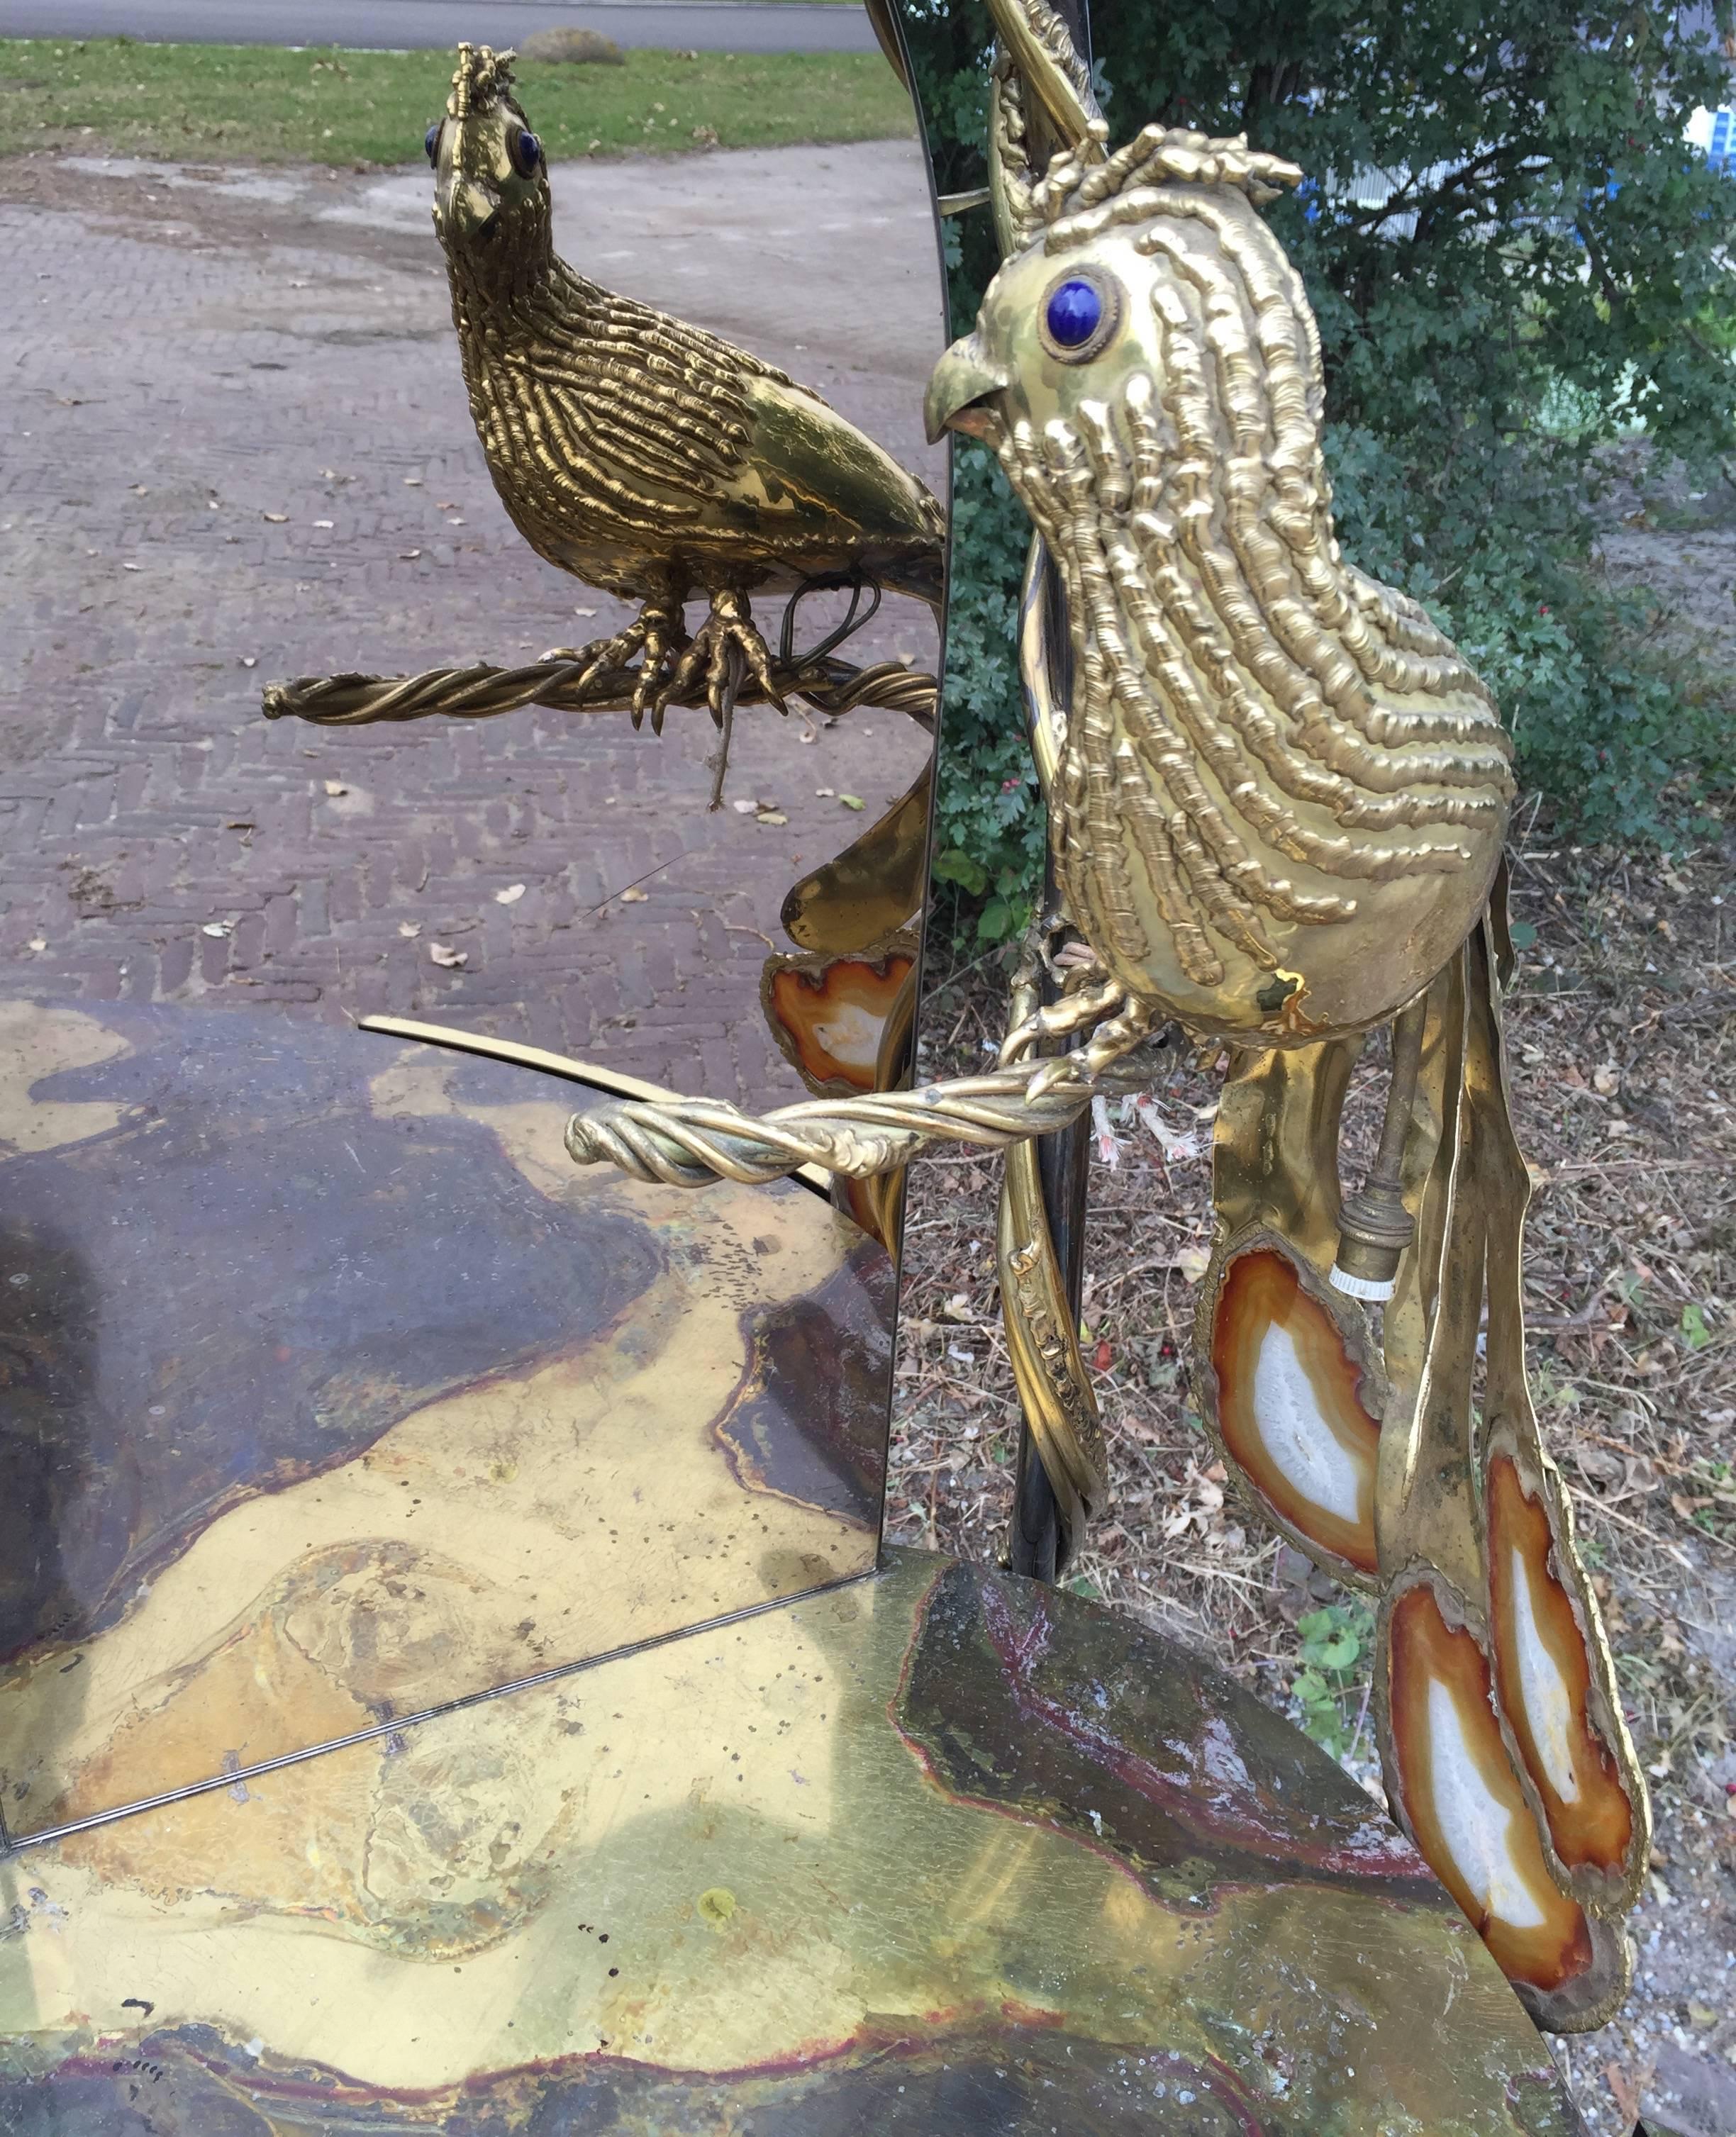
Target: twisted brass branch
480 692
689 1142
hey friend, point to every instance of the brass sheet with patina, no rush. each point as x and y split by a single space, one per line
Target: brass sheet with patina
332 1394
938 1851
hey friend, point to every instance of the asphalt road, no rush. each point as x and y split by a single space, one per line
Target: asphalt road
718 25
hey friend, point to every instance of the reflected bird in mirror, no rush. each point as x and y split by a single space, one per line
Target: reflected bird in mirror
652 459
646 455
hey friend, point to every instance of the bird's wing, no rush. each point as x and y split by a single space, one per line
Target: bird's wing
634 412
812 484
662 431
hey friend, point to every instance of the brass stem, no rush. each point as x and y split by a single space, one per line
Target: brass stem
1401 1093
1374 1227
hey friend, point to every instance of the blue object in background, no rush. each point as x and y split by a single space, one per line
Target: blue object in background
1723 125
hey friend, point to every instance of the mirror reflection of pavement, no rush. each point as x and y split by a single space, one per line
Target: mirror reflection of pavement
196 350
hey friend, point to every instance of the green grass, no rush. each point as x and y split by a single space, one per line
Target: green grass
261 104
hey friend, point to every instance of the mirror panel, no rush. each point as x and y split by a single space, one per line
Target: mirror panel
337 1393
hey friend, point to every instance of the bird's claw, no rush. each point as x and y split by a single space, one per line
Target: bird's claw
653 635
1063 1069
728 648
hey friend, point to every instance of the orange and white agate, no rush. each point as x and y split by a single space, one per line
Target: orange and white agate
1291 1397
1463 1802
830 1021
1543 1674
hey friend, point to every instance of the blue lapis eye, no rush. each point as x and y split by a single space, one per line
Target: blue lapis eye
431 142
527 152
1074 313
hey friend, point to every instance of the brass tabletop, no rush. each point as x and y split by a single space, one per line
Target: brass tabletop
935 1853
334 1392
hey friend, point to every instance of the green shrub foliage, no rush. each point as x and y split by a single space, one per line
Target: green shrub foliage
1548 273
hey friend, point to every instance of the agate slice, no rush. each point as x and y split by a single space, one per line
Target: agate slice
1450 1778
1543 1673
1296 1406
830 1015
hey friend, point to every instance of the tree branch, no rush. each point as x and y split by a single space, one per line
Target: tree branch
1470 178
1611 289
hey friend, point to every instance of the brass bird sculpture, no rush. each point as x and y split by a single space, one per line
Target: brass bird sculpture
1277 796
644 455
1272 772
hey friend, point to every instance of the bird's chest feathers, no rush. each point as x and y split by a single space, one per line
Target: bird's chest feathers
502 359
523 403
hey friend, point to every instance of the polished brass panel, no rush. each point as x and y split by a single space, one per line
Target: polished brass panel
872 887
937 1851
331 1394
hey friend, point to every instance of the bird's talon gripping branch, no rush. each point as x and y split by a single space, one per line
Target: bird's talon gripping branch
727 648
654 635
1052 1076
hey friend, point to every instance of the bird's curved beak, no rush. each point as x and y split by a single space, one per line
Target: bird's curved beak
964 379
463 208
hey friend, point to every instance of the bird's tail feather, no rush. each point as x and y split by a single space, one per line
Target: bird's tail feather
1289 1373
1415 1467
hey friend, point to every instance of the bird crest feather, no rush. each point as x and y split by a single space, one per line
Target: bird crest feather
483 79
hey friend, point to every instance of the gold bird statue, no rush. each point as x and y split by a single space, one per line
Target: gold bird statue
646 455
1277 796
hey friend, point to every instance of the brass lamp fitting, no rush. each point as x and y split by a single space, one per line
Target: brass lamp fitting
1374 1226
1374 1230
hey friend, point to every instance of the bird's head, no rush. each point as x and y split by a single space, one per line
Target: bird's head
1068 321
491 210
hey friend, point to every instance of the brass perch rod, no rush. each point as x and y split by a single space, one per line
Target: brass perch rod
481 691
614 1082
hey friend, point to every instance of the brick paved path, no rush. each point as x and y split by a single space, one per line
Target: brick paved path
188 353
